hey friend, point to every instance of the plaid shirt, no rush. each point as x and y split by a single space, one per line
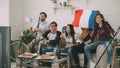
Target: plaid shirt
104 33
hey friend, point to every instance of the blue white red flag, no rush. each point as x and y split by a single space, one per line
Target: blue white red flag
84 18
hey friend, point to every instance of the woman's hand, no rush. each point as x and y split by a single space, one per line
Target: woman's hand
69 45
87 42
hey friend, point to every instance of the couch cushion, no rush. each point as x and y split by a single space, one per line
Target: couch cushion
103 61
95 57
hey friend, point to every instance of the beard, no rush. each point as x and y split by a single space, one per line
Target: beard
42 20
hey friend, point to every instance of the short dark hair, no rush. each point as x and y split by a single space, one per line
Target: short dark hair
53 22
43 13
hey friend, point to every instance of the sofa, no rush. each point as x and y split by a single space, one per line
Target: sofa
96 56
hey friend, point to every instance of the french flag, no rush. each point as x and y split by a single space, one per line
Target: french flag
84 18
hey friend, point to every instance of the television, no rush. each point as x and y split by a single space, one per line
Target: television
5 33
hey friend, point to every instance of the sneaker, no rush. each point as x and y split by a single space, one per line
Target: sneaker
108 66
92 65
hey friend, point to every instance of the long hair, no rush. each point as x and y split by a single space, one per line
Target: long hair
96 25
72 32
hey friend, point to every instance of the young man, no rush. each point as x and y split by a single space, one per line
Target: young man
38 30
80 48
52 38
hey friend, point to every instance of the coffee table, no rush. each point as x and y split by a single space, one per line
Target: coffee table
55 63
25 61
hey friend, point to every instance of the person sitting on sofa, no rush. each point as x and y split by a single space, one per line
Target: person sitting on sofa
51 38
80 48
71 40
104 31
40 27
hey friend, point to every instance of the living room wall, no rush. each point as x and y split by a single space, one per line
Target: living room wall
16 9
63 16
4 12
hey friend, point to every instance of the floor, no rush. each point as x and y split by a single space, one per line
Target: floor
117 64
13 65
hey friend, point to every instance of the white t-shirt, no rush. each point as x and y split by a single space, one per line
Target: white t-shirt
42 26
69 41
52 36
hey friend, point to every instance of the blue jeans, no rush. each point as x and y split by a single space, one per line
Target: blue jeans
94 45
49 49
69 51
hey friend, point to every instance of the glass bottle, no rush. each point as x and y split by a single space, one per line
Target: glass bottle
58 52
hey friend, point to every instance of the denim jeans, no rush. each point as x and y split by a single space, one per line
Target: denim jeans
69 51
49 49
94 45
77 50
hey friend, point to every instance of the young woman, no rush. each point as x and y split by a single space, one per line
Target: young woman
71 39
104 31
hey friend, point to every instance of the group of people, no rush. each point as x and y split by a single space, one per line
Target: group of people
74 44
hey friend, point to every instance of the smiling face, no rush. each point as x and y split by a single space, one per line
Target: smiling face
98 19
68 29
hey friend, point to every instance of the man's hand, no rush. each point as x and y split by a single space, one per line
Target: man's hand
47 41
36 30
41 38
39 30
77 43
31 28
